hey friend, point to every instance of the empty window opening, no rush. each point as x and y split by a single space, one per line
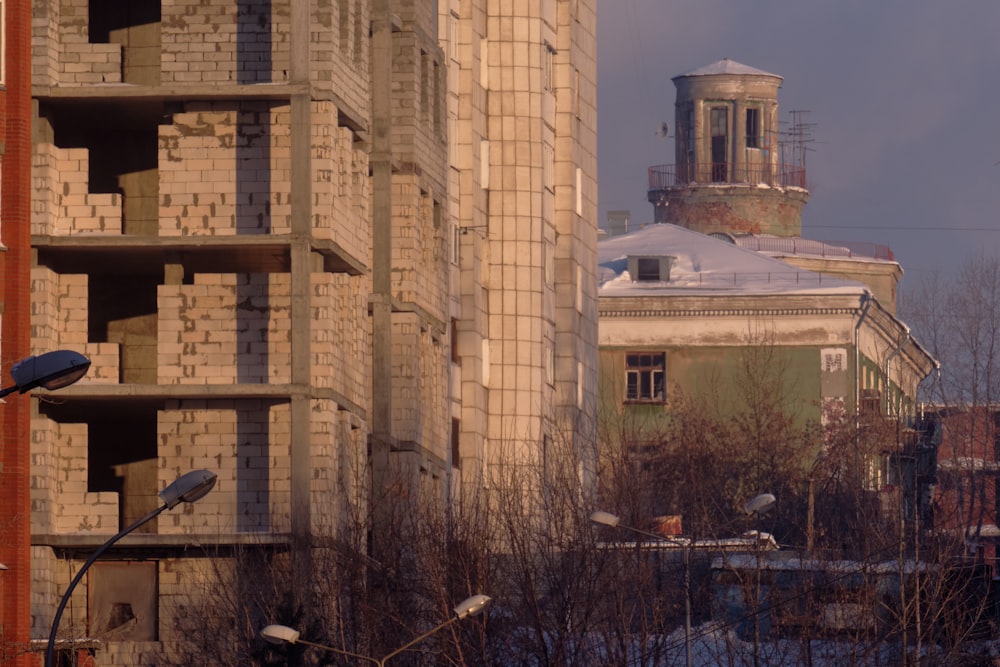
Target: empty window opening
123 311
123 158
135 25
122 458
126 162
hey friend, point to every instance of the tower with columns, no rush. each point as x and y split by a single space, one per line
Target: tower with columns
730 173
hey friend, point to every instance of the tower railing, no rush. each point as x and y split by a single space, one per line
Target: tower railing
784 175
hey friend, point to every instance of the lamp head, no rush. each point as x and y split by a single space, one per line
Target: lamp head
52 370
760 504
472 606
278 634
604 518
188 488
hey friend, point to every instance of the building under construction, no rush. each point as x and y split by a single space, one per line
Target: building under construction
304 244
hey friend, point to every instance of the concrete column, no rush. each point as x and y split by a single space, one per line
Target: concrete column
771 137
300 257
381 298
738 172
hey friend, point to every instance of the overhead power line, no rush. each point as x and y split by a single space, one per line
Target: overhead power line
907 228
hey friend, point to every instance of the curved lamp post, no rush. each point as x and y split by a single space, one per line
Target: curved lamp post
187 488
758 505
472 606
52 370
608 519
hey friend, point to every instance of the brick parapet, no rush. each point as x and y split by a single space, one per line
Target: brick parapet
60 500
59 320
61 201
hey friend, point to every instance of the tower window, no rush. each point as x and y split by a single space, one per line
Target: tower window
753 127
720 144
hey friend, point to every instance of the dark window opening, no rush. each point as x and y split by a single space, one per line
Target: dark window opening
648 268
871 402
645 377
720 144
123 158
455 358
996 436
753 127
122 458
996 496
456 458
123 311
135 25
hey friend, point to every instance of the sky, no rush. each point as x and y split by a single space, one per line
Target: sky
903 100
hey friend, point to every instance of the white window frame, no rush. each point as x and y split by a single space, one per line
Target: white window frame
548 67
645 377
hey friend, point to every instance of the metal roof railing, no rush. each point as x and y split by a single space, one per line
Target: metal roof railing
669 175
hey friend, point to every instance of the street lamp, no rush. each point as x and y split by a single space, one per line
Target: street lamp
187 488
607 519
472 606
52 370
757 506
760 504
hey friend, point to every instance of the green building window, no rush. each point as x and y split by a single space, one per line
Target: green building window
645 377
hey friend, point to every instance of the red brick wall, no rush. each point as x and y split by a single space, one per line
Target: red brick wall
15 184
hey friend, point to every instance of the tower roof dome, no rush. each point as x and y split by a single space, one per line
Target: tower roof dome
726 66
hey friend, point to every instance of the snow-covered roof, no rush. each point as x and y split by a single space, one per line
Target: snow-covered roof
704 264
726 66
750 561
779 246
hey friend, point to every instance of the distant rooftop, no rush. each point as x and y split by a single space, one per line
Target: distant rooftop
704 263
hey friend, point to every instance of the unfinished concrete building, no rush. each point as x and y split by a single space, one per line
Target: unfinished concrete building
301 243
